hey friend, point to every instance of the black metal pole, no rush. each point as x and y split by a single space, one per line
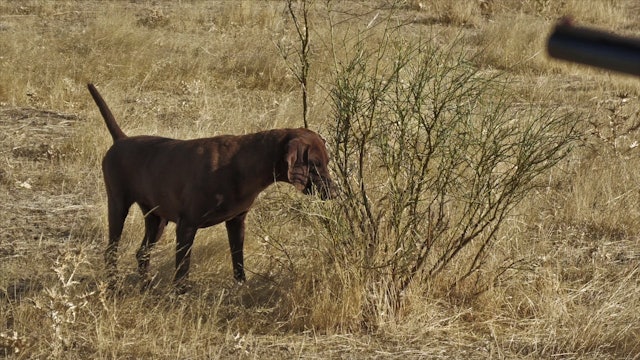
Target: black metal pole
595 47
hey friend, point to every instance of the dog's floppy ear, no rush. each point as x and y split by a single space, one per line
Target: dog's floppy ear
297 158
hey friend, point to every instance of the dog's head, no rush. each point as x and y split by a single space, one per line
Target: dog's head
308 164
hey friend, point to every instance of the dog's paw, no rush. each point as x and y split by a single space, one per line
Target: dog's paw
148 284
183 287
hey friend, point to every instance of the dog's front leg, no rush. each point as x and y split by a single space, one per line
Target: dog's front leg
185 233
235 232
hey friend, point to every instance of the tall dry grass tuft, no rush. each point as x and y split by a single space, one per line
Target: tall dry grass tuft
63 304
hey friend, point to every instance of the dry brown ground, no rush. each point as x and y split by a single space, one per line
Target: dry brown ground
187 69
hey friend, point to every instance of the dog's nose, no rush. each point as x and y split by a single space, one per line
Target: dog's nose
322 187
328 190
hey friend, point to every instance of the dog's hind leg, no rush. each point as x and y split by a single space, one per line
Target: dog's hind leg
154 226
118 210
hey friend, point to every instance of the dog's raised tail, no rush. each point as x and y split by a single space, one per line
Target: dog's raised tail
112 125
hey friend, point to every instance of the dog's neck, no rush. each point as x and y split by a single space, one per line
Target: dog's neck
269 163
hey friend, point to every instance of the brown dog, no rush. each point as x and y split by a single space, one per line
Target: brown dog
200 183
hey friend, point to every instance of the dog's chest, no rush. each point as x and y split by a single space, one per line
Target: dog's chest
220 207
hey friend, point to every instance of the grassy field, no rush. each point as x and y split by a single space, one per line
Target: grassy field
563 272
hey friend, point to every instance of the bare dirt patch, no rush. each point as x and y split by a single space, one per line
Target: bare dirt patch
38 199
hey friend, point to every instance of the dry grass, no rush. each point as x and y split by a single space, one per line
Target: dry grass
564 280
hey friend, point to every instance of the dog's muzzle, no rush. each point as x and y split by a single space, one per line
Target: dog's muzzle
324 187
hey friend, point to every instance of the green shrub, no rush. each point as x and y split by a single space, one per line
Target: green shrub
431 154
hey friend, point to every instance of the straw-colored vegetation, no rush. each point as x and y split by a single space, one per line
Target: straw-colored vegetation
386 271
